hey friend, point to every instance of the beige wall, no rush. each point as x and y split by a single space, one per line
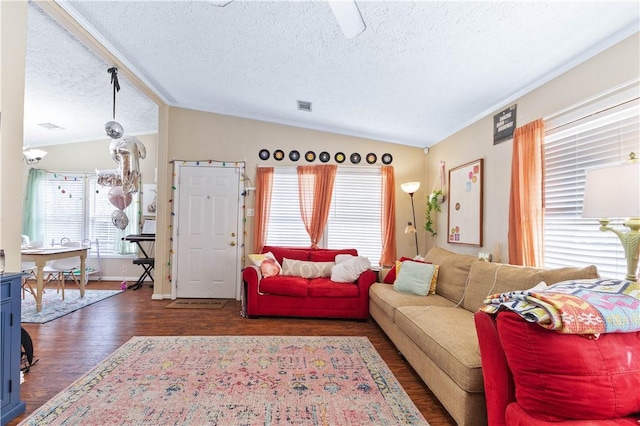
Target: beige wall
87 157
195 135
617 65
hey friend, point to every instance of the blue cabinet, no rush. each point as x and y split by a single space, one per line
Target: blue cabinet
10 404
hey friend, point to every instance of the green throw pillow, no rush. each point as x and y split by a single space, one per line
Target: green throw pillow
414 278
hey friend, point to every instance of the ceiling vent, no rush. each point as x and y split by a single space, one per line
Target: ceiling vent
50 126
304 106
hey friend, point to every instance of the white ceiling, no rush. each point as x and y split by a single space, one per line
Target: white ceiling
420 71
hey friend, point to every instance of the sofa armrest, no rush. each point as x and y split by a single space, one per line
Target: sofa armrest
499 387
251 275
365 280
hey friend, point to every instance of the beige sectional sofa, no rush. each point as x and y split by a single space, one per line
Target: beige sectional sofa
436 333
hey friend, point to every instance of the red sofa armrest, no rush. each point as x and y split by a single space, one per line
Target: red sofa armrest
499 387
365 280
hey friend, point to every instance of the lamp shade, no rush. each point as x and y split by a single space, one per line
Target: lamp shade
612 192
410 187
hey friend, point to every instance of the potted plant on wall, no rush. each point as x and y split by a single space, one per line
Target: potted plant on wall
433 205
434 199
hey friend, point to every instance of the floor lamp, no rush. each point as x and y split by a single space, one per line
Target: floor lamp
615 192
411 188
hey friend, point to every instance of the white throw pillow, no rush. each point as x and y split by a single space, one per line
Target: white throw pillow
306 269
349 270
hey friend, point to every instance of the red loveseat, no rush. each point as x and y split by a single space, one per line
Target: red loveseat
295 296
534 376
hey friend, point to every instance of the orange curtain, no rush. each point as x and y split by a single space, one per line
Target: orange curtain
315 188
264 186
525 204
388 217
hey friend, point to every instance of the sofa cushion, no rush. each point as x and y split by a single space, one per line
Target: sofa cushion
567 376
324 287
488 278
306 269
329 255
284 286
388 300
416 278
448 337
453 273
289 252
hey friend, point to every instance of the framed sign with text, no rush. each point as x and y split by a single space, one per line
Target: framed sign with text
504 123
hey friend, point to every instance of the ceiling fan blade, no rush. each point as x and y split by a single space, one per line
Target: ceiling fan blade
348 16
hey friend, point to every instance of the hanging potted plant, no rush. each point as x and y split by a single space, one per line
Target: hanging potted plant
434 199
433 205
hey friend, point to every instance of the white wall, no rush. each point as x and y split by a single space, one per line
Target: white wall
615 66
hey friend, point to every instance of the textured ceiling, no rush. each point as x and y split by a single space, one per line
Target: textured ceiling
418 73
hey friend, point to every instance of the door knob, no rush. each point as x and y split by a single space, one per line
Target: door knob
232 243
233 234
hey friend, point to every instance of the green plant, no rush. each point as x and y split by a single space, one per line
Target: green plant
433 205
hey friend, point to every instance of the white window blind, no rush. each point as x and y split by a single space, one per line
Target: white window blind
354 218
74 206
600 134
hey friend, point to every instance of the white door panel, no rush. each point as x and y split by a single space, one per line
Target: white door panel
208 229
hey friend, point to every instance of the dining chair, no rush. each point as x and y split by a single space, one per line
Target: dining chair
29 269
60 270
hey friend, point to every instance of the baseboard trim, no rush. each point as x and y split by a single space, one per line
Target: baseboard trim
155 296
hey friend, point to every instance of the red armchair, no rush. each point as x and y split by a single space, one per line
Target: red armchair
533 376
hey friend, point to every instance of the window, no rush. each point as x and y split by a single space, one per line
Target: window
354 218
602 133
74 206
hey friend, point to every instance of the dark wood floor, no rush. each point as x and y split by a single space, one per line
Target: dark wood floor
70 346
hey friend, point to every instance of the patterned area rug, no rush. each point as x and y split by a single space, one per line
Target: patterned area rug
235 380
197 304
54 307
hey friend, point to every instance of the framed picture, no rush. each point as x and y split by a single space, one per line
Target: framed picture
149 196
465 204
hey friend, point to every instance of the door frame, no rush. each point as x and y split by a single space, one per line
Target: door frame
239 167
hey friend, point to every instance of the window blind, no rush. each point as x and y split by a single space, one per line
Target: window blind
354 217
74 206
603 133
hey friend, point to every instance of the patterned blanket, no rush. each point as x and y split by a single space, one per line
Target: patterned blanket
590 306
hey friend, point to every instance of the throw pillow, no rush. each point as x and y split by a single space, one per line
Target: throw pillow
267 263
393 273
306 269
415 278
348 271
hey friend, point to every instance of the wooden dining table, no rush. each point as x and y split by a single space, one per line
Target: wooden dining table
42 255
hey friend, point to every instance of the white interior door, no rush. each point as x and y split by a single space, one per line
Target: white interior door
208 232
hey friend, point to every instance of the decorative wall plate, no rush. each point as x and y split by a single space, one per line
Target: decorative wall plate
310 156
264 154
294 155
372 158
278 154
339 157
355 158
324 156
387 158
